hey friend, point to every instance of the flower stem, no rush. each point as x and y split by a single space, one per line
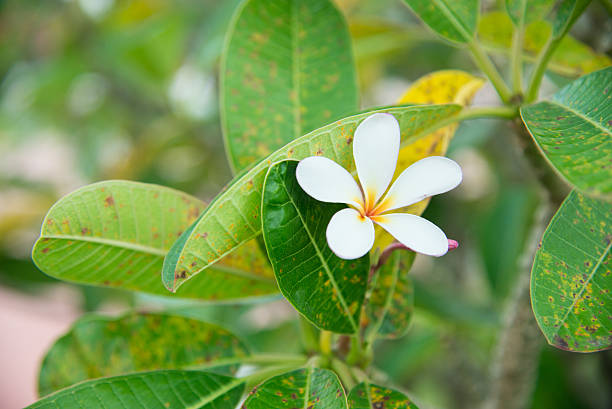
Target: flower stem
483 62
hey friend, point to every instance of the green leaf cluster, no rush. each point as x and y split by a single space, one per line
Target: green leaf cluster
289 91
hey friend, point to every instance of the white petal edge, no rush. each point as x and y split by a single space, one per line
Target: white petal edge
349 235
427 177
375 148
415 232
326 181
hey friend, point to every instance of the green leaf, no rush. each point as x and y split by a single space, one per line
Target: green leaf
151 390
453 19
574 131
98 346
568 12
233 217
326 289
571 277
571 58
288 69
116 234
370 396
389 309
523 12
311 388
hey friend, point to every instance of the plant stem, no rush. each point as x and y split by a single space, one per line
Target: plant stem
540 68
465 114
325 341
483 62
254 359
514 368
516 59
309 335
515 365
359 354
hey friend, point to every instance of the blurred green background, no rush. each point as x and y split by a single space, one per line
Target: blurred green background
127 89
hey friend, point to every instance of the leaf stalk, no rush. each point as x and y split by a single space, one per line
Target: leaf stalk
516 59
483 62
540 67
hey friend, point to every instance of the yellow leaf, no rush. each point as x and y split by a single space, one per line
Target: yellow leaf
440 87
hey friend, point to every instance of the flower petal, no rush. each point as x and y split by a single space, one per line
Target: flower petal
427 177
350 235
326 181
375 148
415 232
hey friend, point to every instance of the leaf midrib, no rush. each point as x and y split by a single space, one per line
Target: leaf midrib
366 385
297 117
584 117
323 261
307 387
110 242
584 287
455 21
219 392
240 273
388 300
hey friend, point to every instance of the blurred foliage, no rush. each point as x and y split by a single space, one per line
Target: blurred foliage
103 89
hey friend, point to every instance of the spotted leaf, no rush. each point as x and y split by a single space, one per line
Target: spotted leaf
391 301
233 217
98 346
116 234
571 58
311 388
288 69
370 396
571 278
574 132
326 289
522 12
454 20
567 13
169 389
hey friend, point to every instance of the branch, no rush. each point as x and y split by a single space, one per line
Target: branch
514 368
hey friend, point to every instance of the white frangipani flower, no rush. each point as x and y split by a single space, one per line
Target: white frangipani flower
376 144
